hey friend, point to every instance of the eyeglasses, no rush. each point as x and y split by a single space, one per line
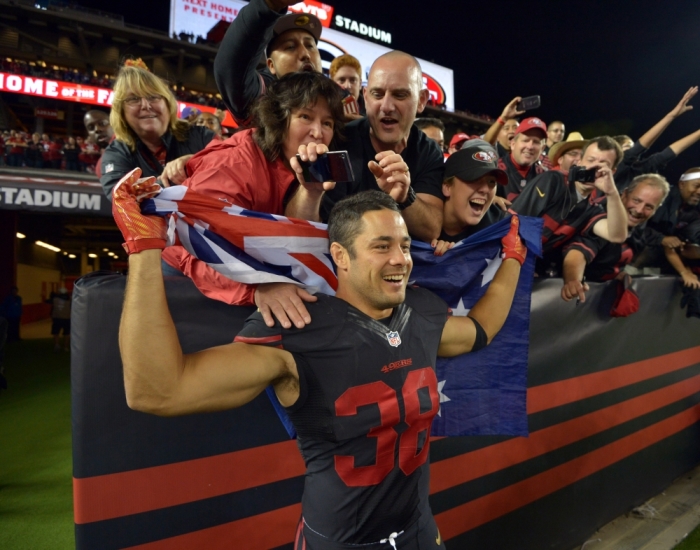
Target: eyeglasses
133 100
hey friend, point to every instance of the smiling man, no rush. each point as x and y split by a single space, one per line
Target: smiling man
263 28
522 163
601 260
389 153
363 429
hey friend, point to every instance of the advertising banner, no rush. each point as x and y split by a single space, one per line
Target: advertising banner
197 17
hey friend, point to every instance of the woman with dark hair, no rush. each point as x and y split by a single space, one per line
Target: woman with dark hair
257 169
148 133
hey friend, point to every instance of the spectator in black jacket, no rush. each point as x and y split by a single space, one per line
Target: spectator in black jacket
262 29
522 164
678 221
148 133
566 207
600 260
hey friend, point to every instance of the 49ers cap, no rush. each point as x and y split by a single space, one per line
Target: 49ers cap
476 158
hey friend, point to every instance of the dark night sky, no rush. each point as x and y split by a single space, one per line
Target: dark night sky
608 66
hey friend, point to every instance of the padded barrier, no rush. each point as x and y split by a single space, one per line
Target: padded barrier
612 407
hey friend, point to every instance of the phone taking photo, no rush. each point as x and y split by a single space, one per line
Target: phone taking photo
529 103
332 166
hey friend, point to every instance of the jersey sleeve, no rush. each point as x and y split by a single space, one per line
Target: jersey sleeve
115 165
589 245
235 65
540 194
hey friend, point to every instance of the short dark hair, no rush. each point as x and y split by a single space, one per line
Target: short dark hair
345 220
605 143
428 122
272 111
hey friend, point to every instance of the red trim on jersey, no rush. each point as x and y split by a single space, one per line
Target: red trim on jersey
258 340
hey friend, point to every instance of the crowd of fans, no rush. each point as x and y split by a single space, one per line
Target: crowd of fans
601 197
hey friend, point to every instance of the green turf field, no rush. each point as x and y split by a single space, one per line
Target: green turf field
36 501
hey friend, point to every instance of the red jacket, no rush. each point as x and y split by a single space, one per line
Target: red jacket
236 171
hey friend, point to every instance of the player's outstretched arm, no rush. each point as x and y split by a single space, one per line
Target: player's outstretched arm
157 376
490 312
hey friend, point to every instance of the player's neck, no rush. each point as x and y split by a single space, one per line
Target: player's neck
363 306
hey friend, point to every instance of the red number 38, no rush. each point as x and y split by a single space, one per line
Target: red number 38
385 397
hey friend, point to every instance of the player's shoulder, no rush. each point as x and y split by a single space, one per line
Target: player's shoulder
426 303
328 316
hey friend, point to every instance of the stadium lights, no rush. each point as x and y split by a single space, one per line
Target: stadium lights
105 250
72 256
91 255
49 246
21 235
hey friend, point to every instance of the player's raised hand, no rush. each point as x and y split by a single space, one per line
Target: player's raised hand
140 232
513 246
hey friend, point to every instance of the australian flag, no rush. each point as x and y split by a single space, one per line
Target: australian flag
481 393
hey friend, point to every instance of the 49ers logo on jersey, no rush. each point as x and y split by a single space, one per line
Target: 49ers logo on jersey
394 338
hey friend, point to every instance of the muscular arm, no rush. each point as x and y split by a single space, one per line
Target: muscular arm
490 311
159 379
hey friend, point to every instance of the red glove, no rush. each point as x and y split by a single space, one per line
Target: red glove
140 232
513 247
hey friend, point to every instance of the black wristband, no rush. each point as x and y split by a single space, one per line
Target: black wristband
481 340
410 199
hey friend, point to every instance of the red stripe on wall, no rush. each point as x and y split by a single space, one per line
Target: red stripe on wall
477 512
114 495
462 468
552 395
266 530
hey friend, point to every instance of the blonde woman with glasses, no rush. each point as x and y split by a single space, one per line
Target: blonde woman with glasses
148 133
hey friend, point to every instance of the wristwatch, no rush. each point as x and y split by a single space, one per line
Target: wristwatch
410 199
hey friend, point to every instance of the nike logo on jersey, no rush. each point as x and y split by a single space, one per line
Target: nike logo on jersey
540 193
438 539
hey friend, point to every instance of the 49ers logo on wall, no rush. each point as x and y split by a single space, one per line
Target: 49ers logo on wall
437 94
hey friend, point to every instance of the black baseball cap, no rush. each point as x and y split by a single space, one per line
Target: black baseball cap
296 21
476 158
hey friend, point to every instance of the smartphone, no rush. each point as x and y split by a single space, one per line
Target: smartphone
583 175
332 166
528 103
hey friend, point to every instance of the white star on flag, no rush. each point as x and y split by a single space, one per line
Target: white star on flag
460 310
443 397
491 268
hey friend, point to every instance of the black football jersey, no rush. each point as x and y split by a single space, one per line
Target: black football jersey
368 394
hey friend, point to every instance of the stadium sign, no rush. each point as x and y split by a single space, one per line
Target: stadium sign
348 24
53 195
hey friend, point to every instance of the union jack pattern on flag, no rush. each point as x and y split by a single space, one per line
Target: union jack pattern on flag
481 393
246 246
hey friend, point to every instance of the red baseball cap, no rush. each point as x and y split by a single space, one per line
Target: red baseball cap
458 138
532 123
